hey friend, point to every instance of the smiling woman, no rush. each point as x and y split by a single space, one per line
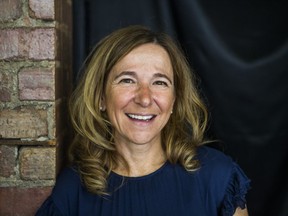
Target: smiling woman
139 98
139 133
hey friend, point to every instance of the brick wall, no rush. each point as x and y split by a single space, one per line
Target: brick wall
35 80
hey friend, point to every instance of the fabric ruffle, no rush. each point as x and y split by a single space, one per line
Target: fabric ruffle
48 209
236 191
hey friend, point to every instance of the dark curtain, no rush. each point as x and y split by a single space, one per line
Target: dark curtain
239 49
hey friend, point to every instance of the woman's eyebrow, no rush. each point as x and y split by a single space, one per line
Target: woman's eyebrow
127 73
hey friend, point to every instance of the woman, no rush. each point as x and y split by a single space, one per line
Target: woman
140 126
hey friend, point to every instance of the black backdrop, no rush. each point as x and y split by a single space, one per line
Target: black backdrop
239 49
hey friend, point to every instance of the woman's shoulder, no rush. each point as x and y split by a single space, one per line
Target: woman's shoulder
68 180
64 194
216 165
224 178
67 189
211 158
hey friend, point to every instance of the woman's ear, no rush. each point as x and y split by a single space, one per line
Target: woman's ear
102 104
173 105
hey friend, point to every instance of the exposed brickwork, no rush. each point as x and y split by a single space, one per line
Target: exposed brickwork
38 44
8 157
36 84
16 201
10 9
37 163
35 81
26 122
43 9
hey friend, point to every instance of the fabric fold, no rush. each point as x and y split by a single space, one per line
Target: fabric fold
236 191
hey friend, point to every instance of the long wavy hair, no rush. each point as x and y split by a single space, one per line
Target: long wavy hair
93 149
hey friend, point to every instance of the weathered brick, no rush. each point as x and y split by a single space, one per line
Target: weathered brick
9 43
25 122
10 9
42 46
35 44
36 84
37 163
16 201
5 87
42 9
8 156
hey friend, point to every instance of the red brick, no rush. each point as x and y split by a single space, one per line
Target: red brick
42 9
35 44
37 163
36 84
15 201
25 122
5 87
8 157
10 9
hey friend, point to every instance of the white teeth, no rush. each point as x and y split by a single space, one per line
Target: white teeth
140 117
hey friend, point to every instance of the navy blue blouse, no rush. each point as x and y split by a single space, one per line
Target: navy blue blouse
218 187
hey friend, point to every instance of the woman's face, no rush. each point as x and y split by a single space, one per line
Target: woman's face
139 95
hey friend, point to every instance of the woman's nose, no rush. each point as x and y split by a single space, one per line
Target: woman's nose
143 96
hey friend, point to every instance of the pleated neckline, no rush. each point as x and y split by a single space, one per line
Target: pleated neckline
138 178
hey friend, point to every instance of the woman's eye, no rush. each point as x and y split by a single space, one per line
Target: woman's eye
162 83
128 81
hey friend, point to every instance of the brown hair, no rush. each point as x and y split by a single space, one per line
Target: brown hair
93 150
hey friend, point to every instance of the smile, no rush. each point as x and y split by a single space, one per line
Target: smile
141 117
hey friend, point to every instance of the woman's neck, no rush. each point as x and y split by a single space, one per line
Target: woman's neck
139 160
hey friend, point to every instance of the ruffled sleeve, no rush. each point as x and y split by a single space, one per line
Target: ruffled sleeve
236 191
48 208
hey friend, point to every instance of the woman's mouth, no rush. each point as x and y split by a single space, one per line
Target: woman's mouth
141 117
